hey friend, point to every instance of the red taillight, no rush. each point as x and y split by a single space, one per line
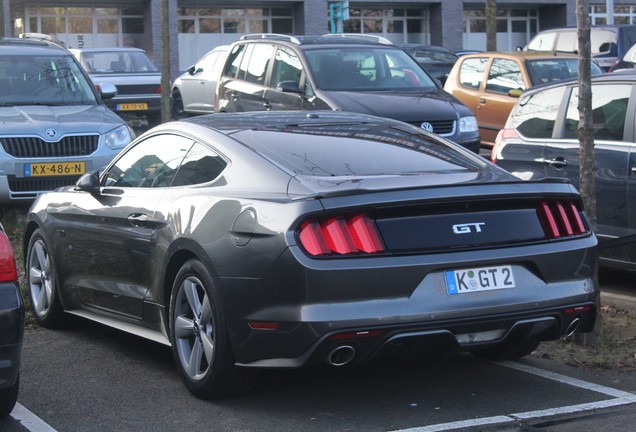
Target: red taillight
561 219
339 235
502 136
158 89
8 271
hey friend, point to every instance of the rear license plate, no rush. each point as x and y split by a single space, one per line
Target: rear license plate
54 169
132 107
479 279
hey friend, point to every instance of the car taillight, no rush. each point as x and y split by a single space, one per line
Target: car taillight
502 136
158 89
340 235
8 271
561 219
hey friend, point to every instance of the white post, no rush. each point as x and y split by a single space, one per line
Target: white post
610 12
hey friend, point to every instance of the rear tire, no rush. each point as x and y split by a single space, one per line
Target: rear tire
199 336
42 283
177 110
510 350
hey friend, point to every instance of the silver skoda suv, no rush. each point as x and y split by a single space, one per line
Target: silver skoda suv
54 126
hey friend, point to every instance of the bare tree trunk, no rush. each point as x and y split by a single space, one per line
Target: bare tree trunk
586 140
165 63
491 25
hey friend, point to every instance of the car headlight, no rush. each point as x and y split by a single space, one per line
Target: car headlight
468 124
119 137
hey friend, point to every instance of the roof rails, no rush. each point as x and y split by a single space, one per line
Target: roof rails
372 38
275 36
42 37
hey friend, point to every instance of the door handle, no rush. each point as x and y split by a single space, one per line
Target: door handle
138 219
267 105
234 97
482 100
558 163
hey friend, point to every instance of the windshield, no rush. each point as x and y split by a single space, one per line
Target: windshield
431 55
367 68
555 69
43 80
117 62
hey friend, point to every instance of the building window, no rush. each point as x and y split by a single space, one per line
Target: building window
397 24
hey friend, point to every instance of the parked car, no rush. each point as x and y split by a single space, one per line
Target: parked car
540 140
357 73
284 239
609 43
489 83
627 62
54 126
137 79
194 91
437 60
11 327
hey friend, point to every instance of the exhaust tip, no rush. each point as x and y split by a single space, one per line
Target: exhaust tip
341 355
572 327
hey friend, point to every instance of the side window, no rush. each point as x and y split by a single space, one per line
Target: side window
567 42
535 115
201 165
542 42
504 75
471 72
151 163
234 61
259 62
287 67
242 72
609 107
207 63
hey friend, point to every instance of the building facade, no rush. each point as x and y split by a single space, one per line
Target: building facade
196 26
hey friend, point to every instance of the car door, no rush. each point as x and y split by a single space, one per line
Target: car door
494 104
610 107
108 237
199 88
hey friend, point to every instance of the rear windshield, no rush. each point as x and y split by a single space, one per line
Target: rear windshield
556 69
357 150
43 80
117 62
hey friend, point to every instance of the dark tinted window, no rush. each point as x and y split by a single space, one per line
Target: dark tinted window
356 150
201 165
535 114
609 107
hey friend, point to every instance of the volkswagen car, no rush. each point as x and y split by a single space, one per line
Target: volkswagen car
249 241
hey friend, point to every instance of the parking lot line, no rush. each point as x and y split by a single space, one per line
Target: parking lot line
619 397
28 420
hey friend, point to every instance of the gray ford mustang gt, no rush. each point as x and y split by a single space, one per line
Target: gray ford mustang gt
284 239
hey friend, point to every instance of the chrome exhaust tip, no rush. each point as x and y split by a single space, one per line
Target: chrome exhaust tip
341 355
572 328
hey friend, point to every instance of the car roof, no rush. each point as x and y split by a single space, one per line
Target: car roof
20 46
522 55
327 39
113 49
627 75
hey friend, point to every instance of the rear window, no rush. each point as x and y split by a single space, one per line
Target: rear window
361 151
535 114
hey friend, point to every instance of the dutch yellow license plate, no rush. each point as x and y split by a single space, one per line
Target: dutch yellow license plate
132 106
54 169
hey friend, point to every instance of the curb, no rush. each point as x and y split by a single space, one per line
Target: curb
618 300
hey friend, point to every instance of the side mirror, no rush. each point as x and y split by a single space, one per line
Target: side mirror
106 90
89 182
191 70
515 93
288 87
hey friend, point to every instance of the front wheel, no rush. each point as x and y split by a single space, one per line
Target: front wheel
42 283
199 336
177 110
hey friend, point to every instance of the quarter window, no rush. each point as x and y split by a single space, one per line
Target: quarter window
201 165
535 115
